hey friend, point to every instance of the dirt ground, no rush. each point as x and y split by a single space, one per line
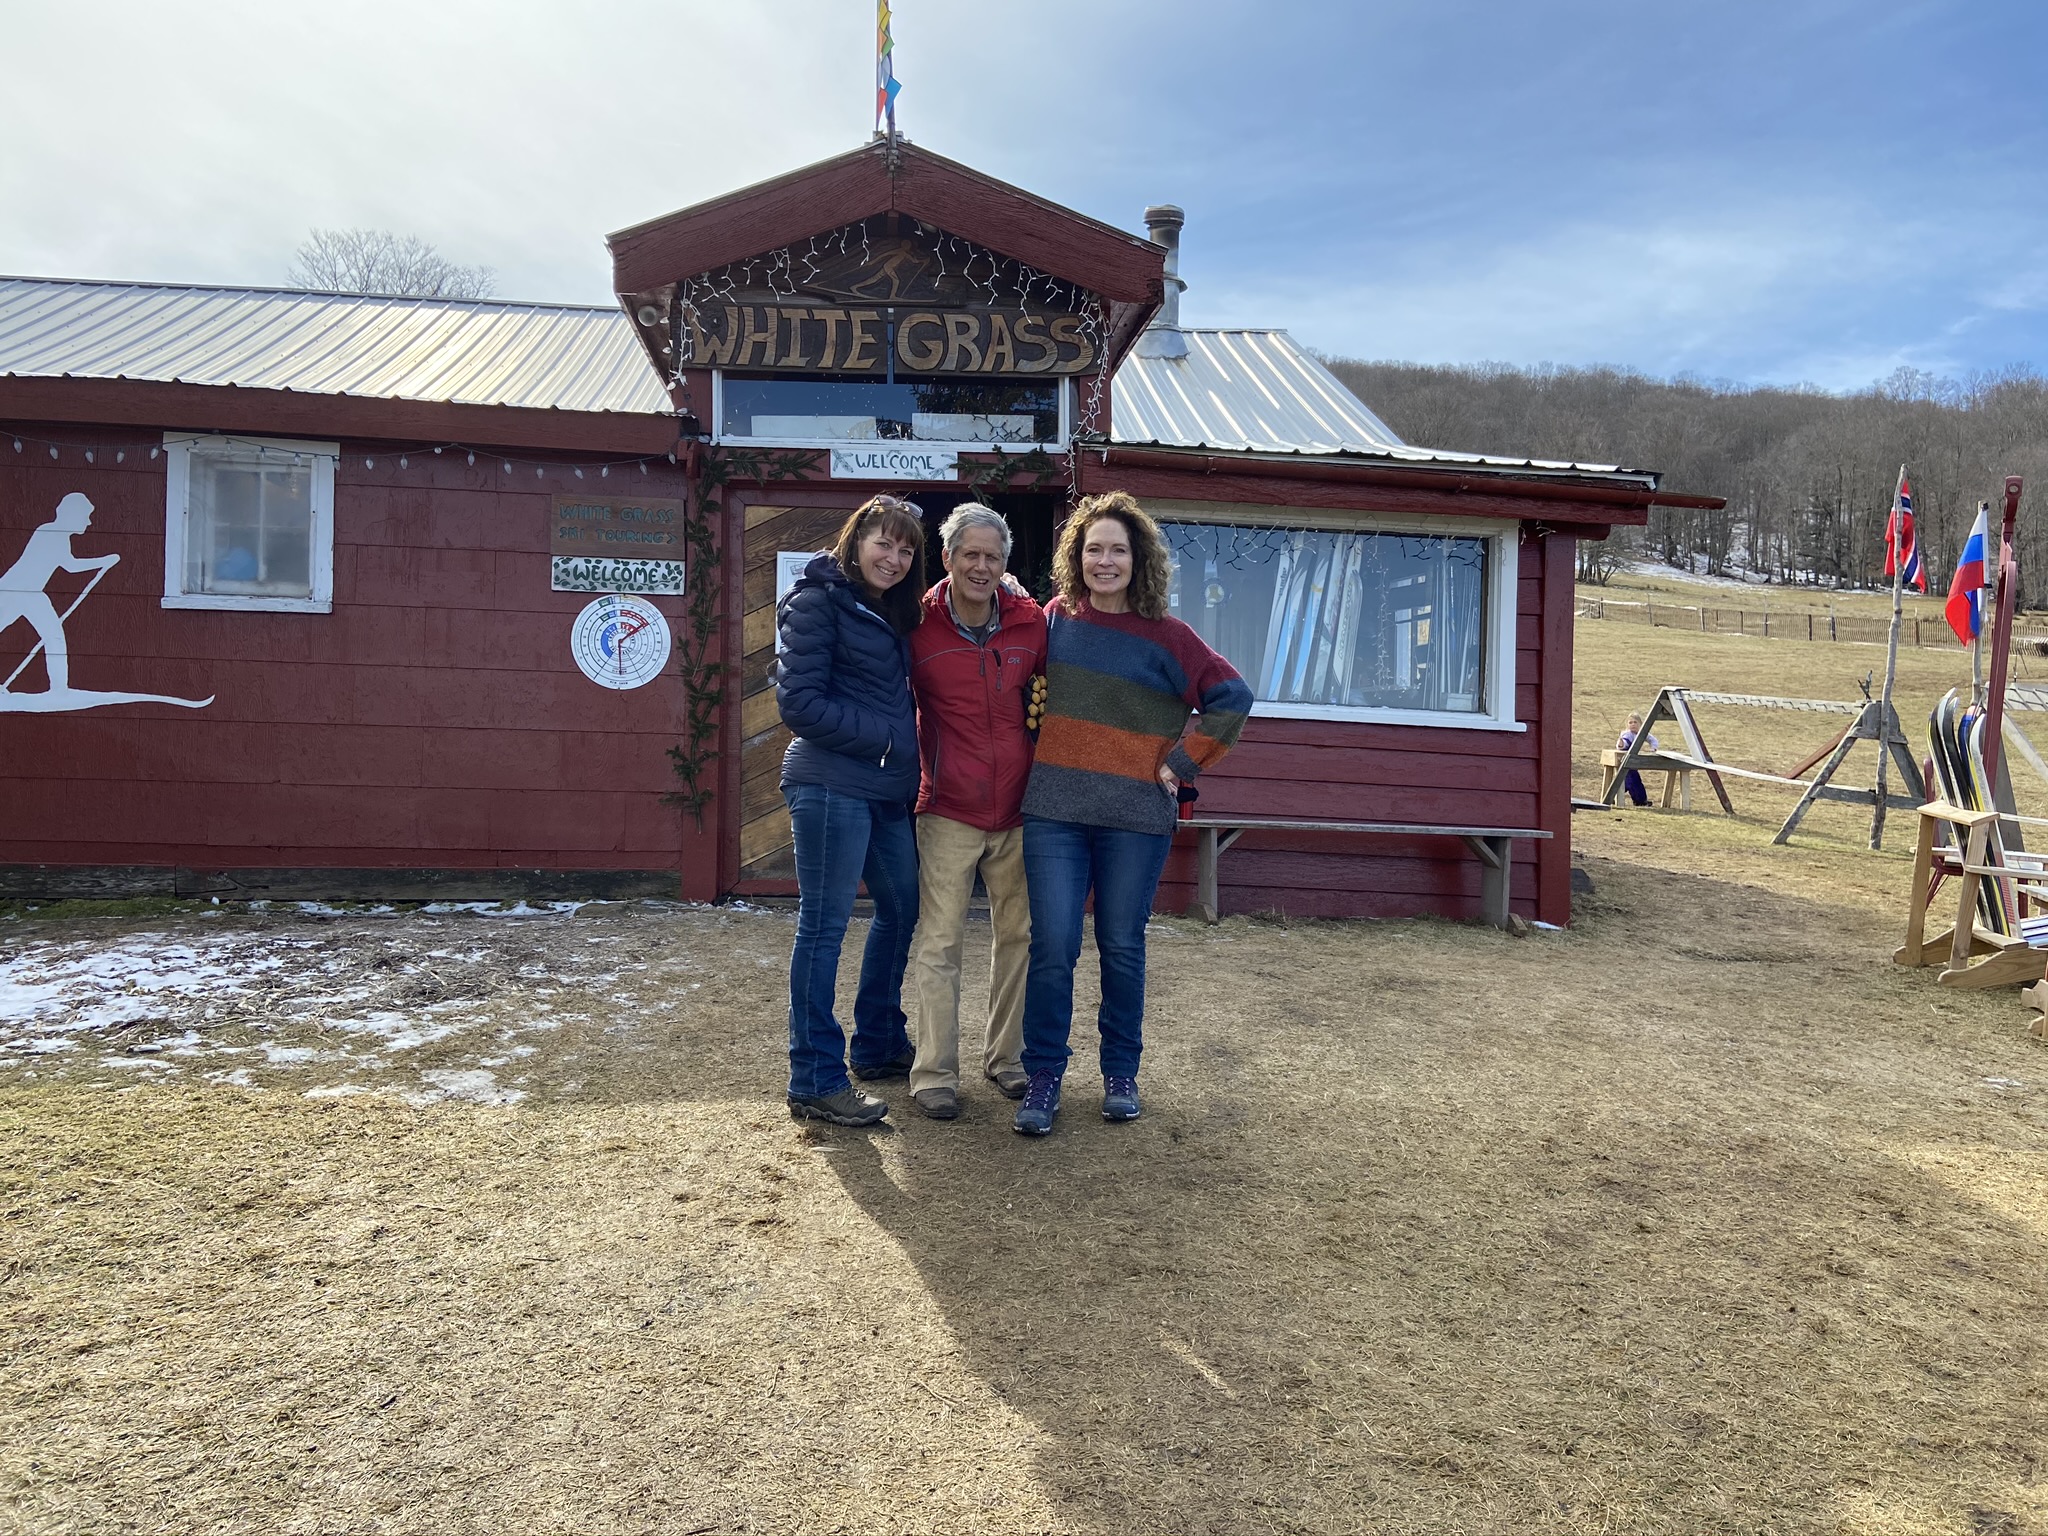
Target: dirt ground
1699 1217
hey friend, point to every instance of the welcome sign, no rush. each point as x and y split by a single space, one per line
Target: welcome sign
895 464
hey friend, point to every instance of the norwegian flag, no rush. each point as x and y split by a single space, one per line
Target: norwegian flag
1901 548
1965 606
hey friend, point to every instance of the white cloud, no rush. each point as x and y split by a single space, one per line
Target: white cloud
200 141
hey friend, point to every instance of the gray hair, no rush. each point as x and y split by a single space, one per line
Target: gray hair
973 515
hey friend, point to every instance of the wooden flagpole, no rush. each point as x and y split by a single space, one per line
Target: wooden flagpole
2001 635
1897 557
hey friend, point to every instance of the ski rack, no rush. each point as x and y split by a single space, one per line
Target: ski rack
1970 953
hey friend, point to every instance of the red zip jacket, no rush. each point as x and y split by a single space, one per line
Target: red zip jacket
973 748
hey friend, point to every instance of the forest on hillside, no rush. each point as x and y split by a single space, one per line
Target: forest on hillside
1808 475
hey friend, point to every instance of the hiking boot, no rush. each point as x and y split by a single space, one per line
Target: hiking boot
849 1106
937 1103
1041 1103
1120 1098
1010 1081
883 1071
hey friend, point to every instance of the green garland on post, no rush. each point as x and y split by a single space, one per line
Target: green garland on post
997 473
704 680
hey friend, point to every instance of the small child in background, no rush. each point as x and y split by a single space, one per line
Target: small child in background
1633 782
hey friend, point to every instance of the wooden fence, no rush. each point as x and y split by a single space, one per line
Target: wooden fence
1765 624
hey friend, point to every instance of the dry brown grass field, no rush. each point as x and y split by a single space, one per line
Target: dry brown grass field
1698 1217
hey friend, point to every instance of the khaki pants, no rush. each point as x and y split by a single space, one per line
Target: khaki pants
948 853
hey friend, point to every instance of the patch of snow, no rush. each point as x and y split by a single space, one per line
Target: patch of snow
519 908
474 1087
2003 1083
398 1032
81 986
1657 570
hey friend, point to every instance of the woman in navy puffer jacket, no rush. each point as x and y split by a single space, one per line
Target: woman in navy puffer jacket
850 779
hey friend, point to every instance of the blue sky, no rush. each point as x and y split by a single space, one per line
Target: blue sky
1804 191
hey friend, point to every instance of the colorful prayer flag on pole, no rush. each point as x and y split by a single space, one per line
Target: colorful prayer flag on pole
885 70
1965 607
1901 548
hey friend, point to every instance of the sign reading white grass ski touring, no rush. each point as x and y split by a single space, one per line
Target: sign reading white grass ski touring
615 544
595 573
895 464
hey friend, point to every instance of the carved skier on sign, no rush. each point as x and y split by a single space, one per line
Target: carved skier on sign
23 598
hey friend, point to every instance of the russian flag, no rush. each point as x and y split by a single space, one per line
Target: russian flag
1965 607
1901 548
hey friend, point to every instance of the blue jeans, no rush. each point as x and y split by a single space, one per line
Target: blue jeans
1063 862
842 840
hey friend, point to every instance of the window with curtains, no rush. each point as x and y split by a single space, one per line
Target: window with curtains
1355 623
249 524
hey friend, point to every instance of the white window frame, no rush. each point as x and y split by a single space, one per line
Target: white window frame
1065 430
1503 564
178 448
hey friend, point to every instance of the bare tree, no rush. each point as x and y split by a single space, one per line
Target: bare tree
1808 475
377 261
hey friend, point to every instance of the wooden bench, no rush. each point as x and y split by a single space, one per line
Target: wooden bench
1677 774
1492 846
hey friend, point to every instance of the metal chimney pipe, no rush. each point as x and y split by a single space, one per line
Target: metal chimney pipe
1163 338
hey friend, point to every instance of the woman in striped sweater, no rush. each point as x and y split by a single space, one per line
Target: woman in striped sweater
1136 705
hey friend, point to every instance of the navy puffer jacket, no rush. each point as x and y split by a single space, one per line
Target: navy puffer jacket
843 686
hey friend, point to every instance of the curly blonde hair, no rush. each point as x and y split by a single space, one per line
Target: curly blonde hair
1151 564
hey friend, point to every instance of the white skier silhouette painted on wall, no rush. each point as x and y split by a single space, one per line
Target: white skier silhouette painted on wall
23 599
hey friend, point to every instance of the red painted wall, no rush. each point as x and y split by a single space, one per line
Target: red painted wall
1316 769
434 719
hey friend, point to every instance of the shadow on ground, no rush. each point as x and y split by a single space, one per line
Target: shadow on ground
1699 1217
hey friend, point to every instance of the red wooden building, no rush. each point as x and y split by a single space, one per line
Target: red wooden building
403 602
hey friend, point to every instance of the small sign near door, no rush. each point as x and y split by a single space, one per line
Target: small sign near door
895 464
789 564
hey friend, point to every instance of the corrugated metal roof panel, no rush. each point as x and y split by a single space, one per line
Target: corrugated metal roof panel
458 351
1258 392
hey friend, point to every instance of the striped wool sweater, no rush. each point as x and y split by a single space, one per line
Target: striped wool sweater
1119 691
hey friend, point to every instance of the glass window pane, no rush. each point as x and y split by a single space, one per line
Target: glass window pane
249 529
816 406
1366 620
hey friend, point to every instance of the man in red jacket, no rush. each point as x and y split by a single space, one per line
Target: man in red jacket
971 664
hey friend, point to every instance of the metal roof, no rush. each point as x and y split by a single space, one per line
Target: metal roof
462 351
1253 391
1258 391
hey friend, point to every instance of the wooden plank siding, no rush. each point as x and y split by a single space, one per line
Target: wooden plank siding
434 719
772 519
